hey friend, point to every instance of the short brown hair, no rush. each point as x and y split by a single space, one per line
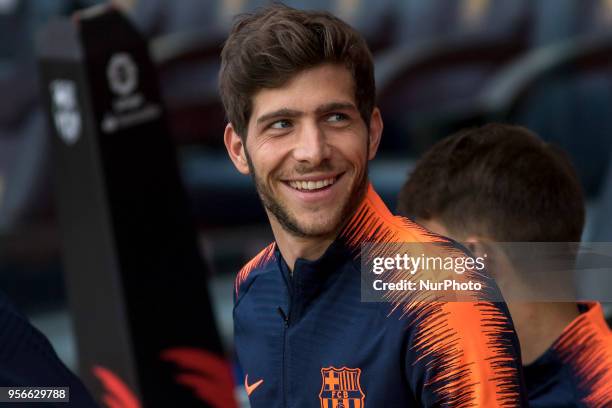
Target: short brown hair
498 180
267 48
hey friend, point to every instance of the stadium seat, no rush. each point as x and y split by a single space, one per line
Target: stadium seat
560 20
155 18
563 91
419 81
188 63
375 20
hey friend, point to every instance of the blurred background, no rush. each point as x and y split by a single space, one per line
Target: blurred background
440 65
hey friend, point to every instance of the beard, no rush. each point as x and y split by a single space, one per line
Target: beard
288 222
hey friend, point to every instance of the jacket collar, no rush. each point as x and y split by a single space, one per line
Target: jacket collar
309 277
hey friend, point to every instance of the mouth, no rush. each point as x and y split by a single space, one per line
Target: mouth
313 185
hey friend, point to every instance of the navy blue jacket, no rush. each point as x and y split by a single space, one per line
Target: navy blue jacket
306 340
27 359
576 371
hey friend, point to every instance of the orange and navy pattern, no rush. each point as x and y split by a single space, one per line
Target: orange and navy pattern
311 339
470 360
586 347
258 261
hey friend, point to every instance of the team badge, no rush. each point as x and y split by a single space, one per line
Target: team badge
341 388
65 108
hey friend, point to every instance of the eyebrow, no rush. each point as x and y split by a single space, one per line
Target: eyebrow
332 106
286 113
291 113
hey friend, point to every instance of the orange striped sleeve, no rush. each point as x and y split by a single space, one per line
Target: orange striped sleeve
258 261
461 354
586 347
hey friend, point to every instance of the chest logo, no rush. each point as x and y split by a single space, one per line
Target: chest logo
341 388
250 388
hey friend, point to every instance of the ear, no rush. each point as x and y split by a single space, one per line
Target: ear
376 128
495 260
235 149
475 245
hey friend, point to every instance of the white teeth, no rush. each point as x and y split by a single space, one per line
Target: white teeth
311 185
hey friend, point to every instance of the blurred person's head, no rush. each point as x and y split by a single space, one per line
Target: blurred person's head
498 183
298 89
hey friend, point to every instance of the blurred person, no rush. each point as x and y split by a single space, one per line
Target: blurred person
27 359
501 183
299 93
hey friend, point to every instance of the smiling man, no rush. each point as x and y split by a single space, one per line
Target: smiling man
298 89
307 156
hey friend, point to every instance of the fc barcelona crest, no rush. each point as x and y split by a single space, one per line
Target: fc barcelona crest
341 388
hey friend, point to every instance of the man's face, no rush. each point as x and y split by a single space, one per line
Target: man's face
307 149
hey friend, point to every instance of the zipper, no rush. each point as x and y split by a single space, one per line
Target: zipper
291 286
284 360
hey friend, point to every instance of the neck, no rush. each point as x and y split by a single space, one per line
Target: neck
539 324
293 247
310 248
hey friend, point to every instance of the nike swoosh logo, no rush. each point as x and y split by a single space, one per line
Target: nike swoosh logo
252 387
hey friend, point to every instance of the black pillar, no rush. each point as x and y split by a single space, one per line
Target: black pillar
136 282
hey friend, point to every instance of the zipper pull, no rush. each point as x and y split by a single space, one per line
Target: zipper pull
283 316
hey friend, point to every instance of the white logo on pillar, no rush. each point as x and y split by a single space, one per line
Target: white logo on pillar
122 74
129 107
66 115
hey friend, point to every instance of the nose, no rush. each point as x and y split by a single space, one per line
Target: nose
312 146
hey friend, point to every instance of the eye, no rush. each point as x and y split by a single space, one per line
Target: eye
337 117
281 124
